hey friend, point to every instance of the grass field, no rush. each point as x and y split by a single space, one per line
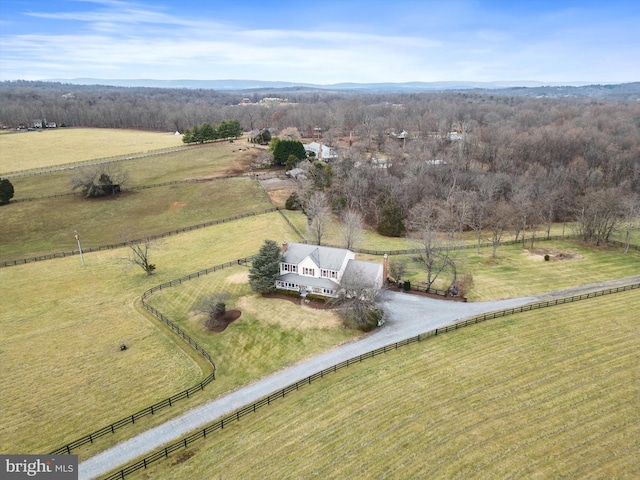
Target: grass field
62 324
205 161
101 221
77 380
50 147
517 272
547 394
269 335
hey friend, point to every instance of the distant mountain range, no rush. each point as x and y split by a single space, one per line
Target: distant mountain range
261 84
528 88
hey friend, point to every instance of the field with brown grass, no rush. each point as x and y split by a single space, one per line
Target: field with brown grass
55 146
546 394
61 326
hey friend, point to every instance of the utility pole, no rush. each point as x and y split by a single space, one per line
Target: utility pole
79 246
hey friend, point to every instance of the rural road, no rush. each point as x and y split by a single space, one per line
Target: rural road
407 316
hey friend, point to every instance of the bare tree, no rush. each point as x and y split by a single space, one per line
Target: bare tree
318 214
139 252
357 301
630 212
351 228
476 218
213 305
598 214
290 133
100 179
397 269
436 255
499 220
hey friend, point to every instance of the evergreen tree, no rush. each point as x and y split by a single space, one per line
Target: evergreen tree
284 148
265 267
6 191
391 223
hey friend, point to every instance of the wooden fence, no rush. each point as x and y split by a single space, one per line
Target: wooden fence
113 159
112 246
238 414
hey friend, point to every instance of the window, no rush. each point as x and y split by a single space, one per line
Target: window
325 273
308 271
334 274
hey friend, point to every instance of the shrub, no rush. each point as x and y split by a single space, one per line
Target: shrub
316 298
546 257
465 284
406 285
6 191
219 309
293 202
364 321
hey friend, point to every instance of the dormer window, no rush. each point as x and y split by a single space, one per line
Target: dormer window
308 271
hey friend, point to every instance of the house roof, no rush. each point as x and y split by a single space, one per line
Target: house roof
365 273
328 258
309 281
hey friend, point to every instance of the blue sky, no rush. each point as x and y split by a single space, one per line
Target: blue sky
322 41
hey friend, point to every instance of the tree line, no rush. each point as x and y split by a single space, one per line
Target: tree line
208 132
409 163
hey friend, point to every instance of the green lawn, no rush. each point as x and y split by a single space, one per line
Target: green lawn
269 335
546 394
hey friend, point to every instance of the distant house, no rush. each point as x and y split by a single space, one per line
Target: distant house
36 123
321 152
273 101
296 173
321 270
51 125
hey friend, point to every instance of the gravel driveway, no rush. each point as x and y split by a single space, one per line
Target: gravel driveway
407 316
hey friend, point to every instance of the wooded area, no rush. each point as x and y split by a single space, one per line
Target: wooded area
422 161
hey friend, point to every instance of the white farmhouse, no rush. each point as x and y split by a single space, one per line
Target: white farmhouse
320 270
322 152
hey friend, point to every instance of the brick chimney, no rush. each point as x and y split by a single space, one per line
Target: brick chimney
285 245
385 268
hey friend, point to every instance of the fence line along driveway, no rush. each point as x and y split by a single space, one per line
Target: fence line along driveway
408 316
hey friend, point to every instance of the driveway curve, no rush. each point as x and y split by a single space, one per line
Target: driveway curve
407 316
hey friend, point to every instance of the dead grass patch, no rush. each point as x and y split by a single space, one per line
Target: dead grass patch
239 278
538 254
282 312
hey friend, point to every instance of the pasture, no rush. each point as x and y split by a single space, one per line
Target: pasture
56 146
192 163
77 380
140 213
517 271
545 394
62 327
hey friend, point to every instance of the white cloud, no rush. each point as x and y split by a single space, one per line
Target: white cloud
132 40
